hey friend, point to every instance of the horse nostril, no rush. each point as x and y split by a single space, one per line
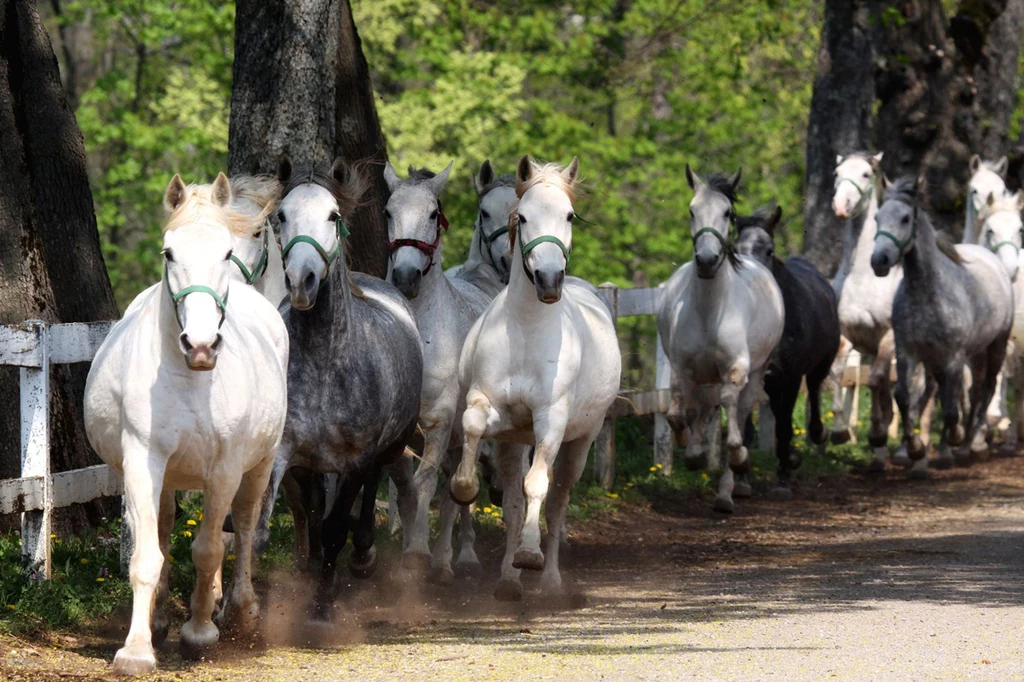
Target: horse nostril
287 281
309 281
559 278
216 342
185 345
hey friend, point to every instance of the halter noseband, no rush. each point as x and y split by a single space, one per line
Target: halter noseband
176 298
261 264
534 243
342 232
994 248
865 195
901 245
425 247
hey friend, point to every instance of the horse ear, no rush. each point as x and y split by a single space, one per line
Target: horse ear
692 179
735 179
1019 196
877 158
175 193
919 184
284 169
390 176
222 194
524 171
484 178
975 163
570 173
1001 166
886 183
773 220
437 182
839 160
339 170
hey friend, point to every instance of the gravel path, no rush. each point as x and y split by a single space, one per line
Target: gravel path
856 579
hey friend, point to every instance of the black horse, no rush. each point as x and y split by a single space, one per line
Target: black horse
810 338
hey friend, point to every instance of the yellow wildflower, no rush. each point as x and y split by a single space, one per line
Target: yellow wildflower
704 475
53 536
85 561
100 580
487 510
187 534
231 557
12 607
270 524
495 514
659 466
756 470
190 522
654 468
199 516
170 559
614 496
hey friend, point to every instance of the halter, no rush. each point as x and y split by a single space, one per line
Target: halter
994 248
342 231
426 247
261 265
176 298
490 239
711 230
902 246
865 195
534 243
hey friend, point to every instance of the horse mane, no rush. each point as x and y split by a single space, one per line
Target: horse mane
198 203
905 190
759 218
722 185
503 180
262 191
550 173
418 175
348 195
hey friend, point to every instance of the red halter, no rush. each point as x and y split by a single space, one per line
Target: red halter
425 247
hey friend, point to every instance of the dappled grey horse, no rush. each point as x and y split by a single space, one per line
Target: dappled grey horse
355 370
954 306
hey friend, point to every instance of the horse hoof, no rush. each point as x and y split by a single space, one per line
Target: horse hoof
918 474
696 463
841 437
197 640
508 590
781 493
724 505
957 436
464 494
363 565
416 561
962 460
901 459
442 575
980 456
469 570
943 463
916 449
742 490
161 625
816 434
132 661
795 460
529 559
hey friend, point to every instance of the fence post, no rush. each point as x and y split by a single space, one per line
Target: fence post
35 453
664 439
604 447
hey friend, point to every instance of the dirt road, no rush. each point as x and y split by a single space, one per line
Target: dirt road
856 579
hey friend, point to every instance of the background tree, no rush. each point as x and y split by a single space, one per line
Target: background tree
50 259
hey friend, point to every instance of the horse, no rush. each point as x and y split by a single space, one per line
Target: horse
955 304
256 256
540 367
865 305
810 336
445 308
720 318
188 391
354 374
987 178
490 251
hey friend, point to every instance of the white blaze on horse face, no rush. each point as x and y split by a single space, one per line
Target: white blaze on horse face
308 210
709 210
854 178
197 255
545 210
412 214
495 207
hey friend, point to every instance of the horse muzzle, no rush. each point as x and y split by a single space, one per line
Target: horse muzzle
549 285
200 357
303 293
880 263
706 264
407 280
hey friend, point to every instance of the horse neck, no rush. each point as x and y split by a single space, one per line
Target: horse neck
271 284
709 295
435 286
330 316
476 247
863 228
521 301
920 263
167 319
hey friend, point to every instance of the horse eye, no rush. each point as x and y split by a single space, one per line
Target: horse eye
228 257
168 256
335 217
522 220
867 175
570 216
433 214
280 216
905 219
727 213
484 215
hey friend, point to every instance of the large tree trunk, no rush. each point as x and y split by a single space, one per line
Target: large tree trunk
302 86
839 121
51 267
998 78
931 116
359 137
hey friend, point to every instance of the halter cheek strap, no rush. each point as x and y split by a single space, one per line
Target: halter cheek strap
901 245
427 248
865 195
261 265
177 298
534 243
490 239
341 230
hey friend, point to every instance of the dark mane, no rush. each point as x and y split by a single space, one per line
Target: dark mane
906 191
347 194
759 218
722 185
420 174
503 180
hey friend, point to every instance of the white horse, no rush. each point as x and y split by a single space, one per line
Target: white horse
155 416
490 253
720 318
445 308
541 366
987 178
257 255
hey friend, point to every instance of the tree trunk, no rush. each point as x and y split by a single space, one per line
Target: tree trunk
839 121
931 116
283 94
998 79
51 267
359 138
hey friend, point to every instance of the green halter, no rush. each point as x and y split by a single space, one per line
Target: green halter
261 265
490 239
865 196
534 243
994 248
901 245
711 230
329 258
176 298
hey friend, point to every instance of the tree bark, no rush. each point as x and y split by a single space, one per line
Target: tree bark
51 267
359 138
839 121
998 79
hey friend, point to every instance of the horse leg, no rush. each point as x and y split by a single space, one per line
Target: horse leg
548 433
168 510
734 382
479 412
241 607
842 399
881 402
1014 436
950 384
336 527
572 459
699 417
262 534
677 411
401 474
990 368
916 450
441 560
511 460
783 396
815 428
292 483
435 447
468 564
489 469
199 632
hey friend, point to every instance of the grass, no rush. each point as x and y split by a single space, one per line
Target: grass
88 587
